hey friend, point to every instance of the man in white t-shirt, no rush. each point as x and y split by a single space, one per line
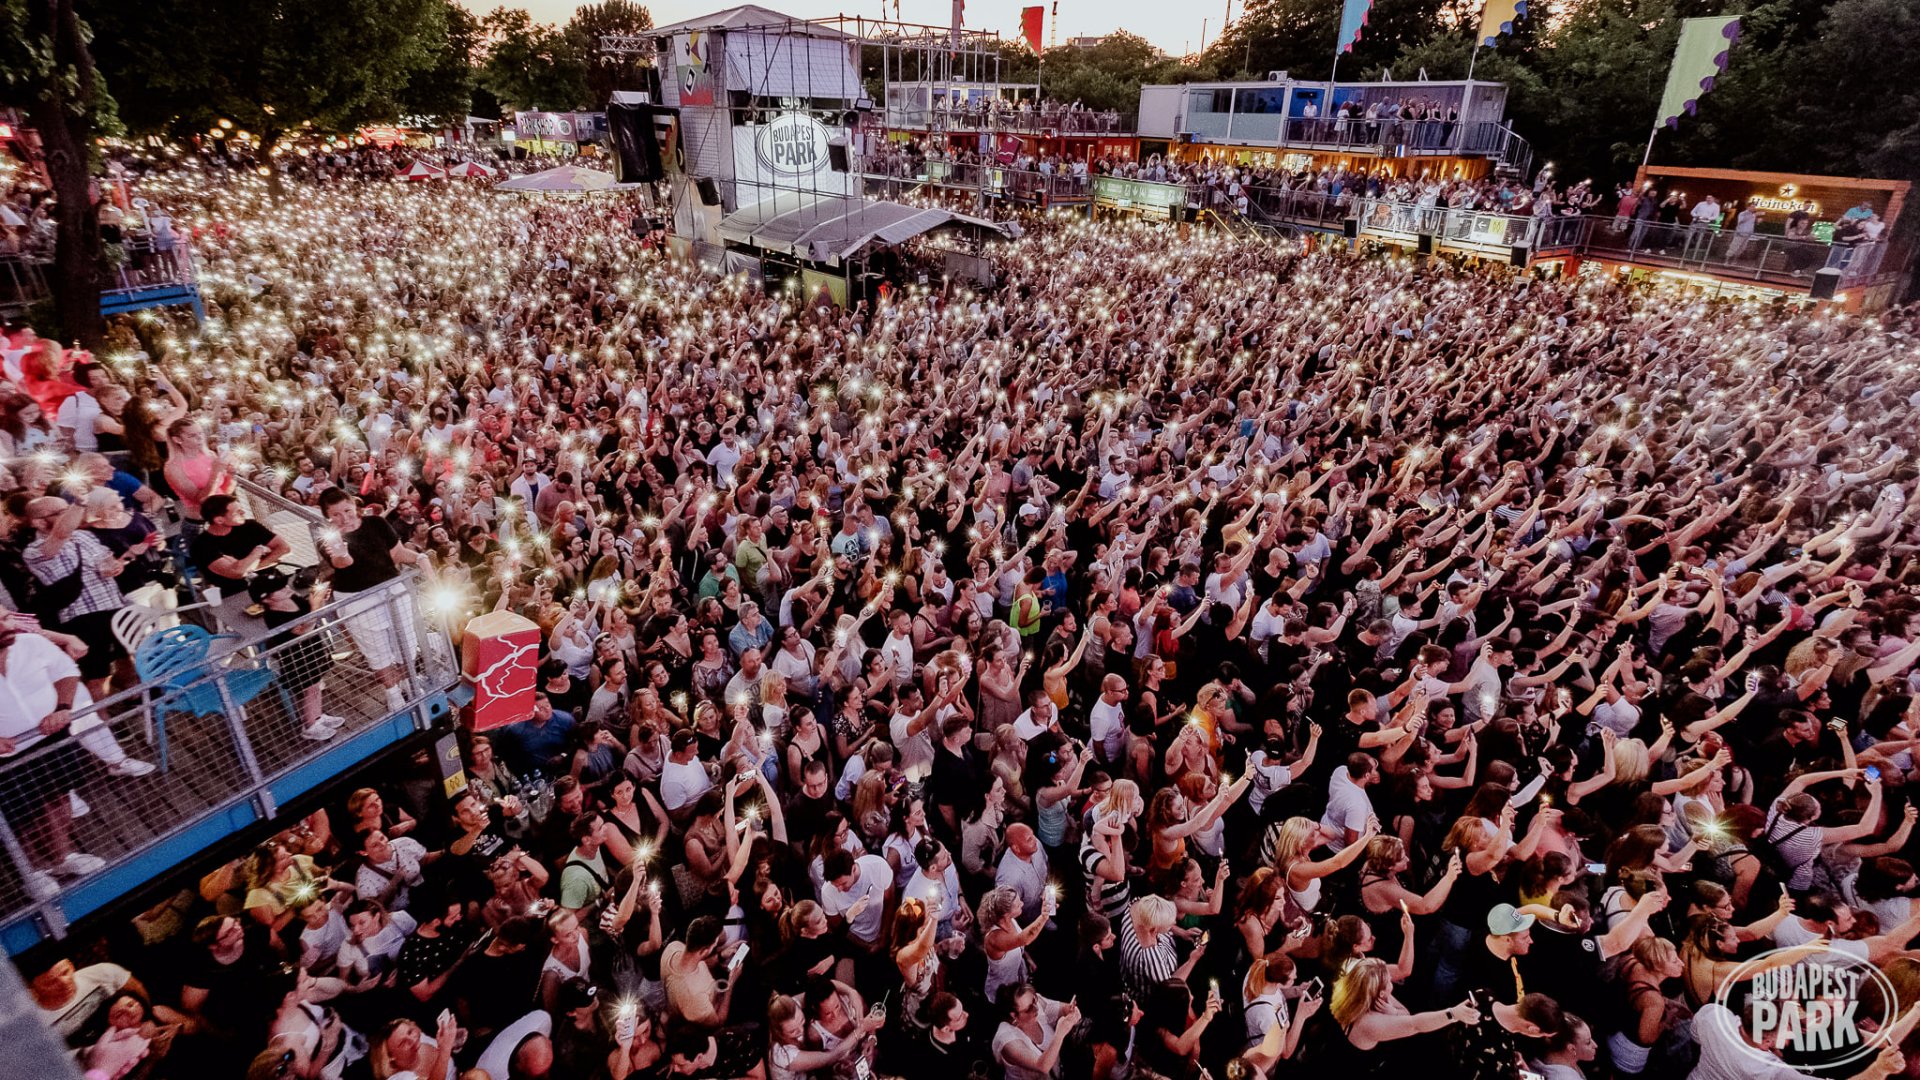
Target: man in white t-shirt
497 1058
683 779
724 456
1348 807
73 1001
859 892
898 648
1039 716
912 727
75 421
1108 719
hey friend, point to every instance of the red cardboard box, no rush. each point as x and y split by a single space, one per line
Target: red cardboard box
499 657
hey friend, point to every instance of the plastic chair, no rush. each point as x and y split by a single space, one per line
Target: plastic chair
175 660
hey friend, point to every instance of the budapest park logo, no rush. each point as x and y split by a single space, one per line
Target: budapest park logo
1814 1007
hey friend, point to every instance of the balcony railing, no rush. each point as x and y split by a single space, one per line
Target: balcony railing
1774 260
148 273
23 281
995 181
1389 138
230 734
1013 122
152 263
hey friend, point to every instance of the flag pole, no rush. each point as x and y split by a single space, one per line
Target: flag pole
1466 95
1648 156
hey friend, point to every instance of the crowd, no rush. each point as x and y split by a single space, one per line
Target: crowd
1071 117
1189 657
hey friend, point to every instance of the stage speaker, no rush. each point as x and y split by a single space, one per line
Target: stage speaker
837 157
1826 284
636 145
1426 243
1517 256
1350 228
709 191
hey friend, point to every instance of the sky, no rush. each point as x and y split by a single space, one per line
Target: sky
1175 27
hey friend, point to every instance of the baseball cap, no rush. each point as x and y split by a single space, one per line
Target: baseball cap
267 582
1505 919
577 993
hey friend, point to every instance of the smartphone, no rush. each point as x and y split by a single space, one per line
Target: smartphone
1314 987
739 956
1596 868
1871 772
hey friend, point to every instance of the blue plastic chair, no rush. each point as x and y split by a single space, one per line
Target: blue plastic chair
175 662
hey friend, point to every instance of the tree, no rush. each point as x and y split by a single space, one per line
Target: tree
532 65
47 64
1108 75
1859 115
607 73
442 88
276 66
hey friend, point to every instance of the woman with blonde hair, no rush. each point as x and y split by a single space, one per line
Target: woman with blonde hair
1364 1013
1004 940
404 1050
1008 761
1147 954
788 1057
807 946
1291 853
1386 899
1651 1017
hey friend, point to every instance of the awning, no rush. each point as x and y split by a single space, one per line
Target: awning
826 227
567 179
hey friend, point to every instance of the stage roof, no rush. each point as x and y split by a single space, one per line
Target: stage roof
822 227
751 17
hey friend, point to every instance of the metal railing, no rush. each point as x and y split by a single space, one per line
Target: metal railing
144 264
995 181
1758 257
209 740
23 281
1701 248
1391 137
1083 122
152 262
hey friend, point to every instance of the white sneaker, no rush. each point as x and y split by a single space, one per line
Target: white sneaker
130 766
334 722
319 731
80 864
396 698
42 885
77 806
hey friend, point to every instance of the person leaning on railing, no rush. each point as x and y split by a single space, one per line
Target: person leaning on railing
366 555
40 688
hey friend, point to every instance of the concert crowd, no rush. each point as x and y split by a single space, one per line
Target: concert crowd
1186 656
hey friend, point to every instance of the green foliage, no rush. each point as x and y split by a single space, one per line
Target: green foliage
442 88
531 65
272 66
1108 75
605 74
28 67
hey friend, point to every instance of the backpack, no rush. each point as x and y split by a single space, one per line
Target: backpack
1767 849
47 599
